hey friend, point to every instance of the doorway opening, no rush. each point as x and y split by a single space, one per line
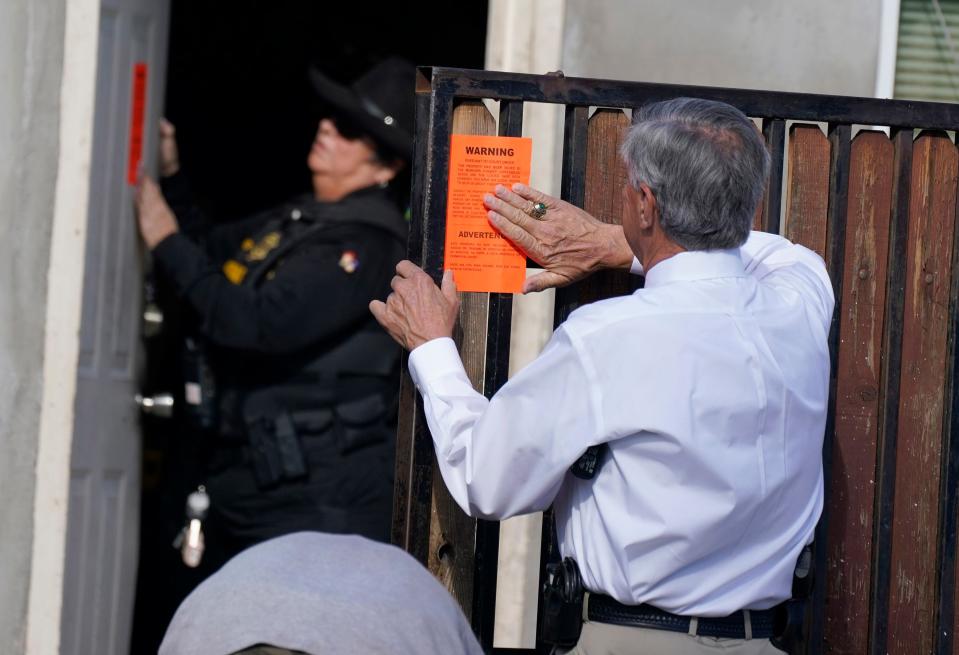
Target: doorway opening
237 92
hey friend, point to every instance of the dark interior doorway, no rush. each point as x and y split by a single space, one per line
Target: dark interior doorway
237 92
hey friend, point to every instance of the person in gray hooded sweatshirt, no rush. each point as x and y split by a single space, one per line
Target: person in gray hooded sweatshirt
319 594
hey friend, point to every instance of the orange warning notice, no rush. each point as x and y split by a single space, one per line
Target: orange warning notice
137 112
481 259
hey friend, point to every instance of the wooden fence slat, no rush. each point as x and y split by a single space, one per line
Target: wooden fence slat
758 217
605 171
452 536
915 536
605 176
849 571
807 187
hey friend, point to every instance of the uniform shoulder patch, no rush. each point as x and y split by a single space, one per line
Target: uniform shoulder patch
349 262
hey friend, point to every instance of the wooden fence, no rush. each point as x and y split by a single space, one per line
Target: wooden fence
880 209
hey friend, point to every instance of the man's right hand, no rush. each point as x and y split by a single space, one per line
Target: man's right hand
169 152
569 243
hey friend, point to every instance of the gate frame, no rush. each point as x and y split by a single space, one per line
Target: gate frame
437 89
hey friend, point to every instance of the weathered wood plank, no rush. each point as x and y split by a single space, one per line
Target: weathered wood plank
758 217
806 218
605 177
605 170
807 208
912 603
452 532
852 489
807 187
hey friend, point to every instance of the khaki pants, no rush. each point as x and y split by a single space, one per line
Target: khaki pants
608 639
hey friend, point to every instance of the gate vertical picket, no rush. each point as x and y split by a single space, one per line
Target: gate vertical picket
849 571
912 611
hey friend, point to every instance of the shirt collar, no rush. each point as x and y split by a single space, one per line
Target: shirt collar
696 265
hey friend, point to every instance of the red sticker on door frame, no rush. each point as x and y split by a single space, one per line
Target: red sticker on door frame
137 115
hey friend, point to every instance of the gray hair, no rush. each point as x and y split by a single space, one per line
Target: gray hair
705 163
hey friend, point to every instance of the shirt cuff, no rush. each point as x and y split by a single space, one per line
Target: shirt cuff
636 268
434 359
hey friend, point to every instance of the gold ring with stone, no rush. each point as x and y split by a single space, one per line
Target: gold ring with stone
537 210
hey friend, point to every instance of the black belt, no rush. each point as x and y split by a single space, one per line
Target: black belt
604 609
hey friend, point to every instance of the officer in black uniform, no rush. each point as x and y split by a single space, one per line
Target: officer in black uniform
291 377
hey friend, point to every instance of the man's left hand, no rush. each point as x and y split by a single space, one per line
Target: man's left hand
566 241
418 311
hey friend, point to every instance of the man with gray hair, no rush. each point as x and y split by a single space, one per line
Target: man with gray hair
677 431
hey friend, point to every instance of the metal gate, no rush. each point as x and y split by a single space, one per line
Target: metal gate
880 209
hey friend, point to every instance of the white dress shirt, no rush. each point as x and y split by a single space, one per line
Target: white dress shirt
710 386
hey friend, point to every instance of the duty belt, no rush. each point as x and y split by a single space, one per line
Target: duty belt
744 624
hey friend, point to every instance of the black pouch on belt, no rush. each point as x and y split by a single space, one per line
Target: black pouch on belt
791 616
360 423
274 445
561 608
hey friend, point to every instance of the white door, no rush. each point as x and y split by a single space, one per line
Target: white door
103 523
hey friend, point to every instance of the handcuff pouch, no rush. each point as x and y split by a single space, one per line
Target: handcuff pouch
561 607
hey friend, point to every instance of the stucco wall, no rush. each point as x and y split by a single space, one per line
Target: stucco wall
31 57
813 46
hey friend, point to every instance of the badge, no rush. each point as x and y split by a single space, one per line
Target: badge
234 271
349 262
259 251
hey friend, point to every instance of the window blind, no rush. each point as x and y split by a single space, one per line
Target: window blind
927 63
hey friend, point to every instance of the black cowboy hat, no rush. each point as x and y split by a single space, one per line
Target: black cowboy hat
379 103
